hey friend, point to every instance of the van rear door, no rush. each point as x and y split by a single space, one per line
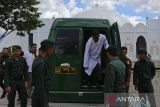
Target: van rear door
115 36
67 59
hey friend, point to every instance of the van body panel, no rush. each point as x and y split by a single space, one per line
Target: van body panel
70 36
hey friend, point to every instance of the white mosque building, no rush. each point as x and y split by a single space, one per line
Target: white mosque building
142 36
145 35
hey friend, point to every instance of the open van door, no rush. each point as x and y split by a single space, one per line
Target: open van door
115 36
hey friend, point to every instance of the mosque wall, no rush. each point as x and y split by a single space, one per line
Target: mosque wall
151 33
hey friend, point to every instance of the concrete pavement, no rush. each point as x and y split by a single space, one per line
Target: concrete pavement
4 102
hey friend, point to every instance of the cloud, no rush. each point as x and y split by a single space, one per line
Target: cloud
134 20
72 4
57 8
110 4
142 8
157 17
53 8
152 6
138 6
76 10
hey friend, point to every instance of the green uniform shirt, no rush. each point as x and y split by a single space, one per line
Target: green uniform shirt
143 70
40 76
15 69
128 64
3 58
114 76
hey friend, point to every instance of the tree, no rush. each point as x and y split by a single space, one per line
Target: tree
20 15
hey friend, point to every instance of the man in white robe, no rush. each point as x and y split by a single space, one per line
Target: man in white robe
30 56
92 55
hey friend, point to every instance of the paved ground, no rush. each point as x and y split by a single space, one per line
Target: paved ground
156 84
3 103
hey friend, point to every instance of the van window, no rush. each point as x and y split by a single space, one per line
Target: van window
67 42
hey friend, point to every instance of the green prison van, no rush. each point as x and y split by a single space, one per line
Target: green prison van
66 73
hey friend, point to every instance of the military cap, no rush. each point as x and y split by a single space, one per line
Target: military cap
15 47
47 42
142 50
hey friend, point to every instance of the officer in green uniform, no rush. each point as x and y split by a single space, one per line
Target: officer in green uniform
128 64
114 73
144 71
114 81
40 75
16 77
4 56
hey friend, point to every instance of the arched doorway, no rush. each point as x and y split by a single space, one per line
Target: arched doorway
141 43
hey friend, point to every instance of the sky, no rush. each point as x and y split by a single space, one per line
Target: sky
135 11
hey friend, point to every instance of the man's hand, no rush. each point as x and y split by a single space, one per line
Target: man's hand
26 84
8 89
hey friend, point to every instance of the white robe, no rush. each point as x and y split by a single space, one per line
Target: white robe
92 54
29 59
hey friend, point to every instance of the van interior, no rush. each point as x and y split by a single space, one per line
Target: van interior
85 81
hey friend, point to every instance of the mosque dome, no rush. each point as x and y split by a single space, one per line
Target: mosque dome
102 12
